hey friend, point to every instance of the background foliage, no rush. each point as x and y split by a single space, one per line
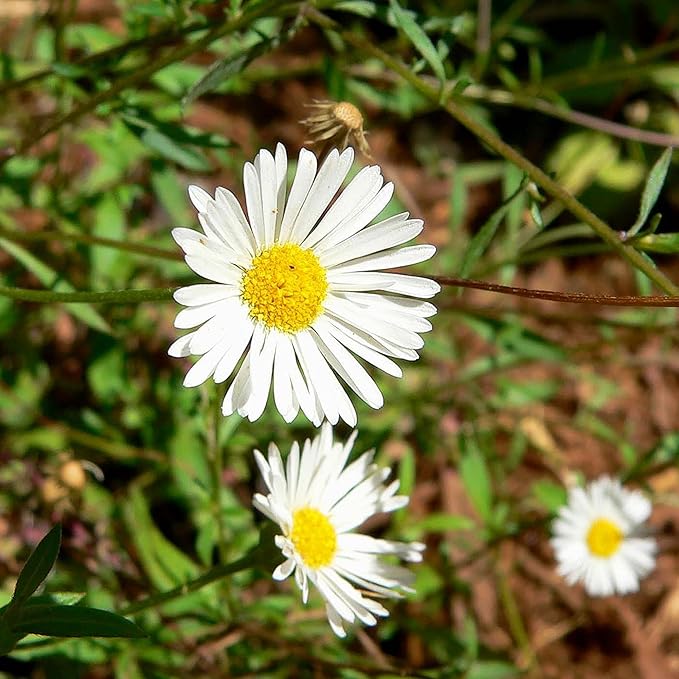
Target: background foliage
108 110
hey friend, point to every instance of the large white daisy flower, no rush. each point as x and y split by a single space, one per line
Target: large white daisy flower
600 538
297 289
318 504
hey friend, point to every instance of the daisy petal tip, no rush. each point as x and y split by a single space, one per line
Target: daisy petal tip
199 197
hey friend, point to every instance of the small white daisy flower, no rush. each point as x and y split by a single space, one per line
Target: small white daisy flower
600 538
318 504
298 289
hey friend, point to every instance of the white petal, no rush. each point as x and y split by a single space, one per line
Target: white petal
227 211
372 323
199 197
334 399
354 198
253 200
394 283
351 371
214 270
373 239
304 178
181 346
282 387
261 374
283 570
325 186
197 315
266 169
205 366
281 182
389 259
203 293
239 340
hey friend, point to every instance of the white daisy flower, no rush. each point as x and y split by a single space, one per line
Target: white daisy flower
298 289
600 538
318 504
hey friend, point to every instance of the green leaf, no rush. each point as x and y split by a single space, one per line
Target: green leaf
656 178
549 494
188 158
484 235
492 669
476 481
225 69
38 566
442 523
69 70
165 564
419 39
360 7
74 621
666 243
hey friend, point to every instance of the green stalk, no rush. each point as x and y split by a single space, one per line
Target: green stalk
261 554
87 239
108 297
553 188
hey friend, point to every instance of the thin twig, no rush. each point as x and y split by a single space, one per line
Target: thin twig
570 297
87 239
88 297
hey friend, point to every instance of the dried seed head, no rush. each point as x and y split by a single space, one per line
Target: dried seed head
336 124
52 491
72 475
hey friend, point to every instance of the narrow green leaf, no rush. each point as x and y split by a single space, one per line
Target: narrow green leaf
74 621
419 39
441 523
477 482
492 669
666 243
225 69
550 495
186 157
484 235
656 178
166 565
38 566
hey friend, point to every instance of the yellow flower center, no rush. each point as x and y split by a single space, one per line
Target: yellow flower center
313 536
604 538
285 287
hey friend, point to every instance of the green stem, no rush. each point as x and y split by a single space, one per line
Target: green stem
108 297
86 239
553 188
260 555
208 578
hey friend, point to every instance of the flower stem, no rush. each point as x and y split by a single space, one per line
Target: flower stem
87 239
262 553
554 296
542 179
88 297
208 578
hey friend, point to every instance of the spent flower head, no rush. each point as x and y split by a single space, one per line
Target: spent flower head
318 502
298 290
600 538
336 124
